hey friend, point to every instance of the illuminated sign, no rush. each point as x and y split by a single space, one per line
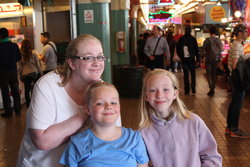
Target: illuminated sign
217 13
11 10
161 15
165 2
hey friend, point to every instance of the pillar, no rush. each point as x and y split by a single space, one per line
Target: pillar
119 25
93 18
133 31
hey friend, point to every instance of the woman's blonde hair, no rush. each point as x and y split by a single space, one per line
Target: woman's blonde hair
72 50
146 110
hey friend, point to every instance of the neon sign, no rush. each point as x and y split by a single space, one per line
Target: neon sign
165 2
161 16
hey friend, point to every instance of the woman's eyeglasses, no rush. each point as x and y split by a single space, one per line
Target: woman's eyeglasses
91 58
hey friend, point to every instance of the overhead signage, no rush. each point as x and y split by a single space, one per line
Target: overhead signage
215 13
165 2
161 16
11 10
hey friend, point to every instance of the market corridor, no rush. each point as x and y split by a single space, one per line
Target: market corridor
213 110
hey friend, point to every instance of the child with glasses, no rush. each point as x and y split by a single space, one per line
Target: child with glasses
173 135
104 144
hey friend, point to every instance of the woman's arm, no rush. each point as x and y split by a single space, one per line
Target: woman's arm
56 134
234 63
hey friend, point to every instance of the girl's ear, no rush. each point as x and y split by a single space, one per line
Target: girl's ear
176 92
87 110
71 63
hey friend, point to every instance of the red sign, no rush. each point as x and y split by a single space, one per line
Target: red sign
15 7
165 2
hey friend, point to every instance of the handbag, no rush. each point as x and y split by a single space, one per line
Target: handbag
33 75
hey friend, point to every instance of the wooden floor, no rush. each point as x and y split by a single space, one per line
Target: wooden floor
213 110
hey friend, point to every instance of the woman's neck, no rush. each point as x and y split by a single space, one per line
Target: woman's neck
109 133
76 91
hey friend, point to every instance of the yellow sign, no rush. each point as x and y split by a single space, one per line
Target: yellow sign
217 13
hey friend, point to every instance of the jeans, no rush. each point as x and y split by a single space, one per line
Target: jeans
8 79
189 67
211 75
233 115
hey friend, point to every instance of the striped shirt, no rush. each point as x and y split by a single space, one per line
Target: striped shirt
236 51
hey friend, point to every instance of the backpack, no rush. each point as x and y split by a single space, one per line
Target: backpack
215 50
242 78
246 76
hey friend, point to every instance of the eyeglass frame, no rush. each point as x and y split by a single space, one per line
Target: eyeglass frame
92 58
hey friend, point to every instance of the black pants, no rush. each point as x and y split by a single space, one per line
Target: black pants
158 62
189 67
29 82
8 79
233 115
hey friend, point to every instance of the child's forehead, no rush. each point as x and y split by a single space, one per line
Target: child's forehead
163 77
104 89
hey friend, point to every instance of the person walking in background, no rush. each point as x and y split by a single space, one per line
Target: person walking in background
9 56
156 48
104 144
56 110
48 56
173 135
140 46
212 48
236 52
30 69
172 44
187 49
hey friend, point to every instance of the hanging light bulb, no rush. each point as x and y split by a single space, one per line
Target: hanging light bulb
237 13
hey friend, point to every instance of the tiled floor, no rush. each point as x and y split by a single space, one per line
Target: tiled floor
213 110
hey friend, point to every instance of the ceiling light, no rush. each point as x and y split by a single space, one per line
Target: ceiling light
237 14
224 20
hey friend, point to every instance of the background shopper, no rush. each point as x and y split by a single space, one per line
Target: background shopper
30 69
48 56
9 56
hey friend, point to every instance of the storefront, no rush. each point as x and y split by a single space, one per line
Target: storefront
18 20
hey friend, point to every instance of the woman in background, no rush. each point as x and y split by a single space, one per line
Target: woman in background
30 69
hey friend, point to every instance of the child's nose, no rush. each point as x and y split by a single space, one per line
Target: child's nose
108 106
158 93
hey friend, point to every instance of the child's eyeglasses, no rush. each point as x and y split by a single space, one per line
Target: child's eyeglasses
91 58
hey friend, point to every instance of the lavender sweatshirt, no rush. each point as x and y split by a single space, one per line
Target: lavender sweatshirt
181 144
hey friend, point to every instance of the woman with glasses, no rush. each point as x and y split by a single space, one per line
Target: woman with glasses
57 108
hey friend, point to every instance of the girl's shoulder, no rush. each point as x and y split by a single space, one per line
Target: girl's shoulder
81 136
130 134
194 118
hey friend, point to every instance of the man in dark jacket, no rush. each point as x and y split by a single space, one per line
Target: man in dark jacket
9 56
188 51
